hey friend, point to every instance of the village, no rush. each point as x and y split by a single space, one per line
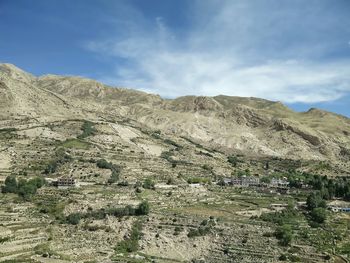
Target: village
274 186
201 206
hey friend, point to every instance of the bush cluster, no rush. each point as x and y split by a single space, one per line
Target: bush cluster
287 216
142 209
22 187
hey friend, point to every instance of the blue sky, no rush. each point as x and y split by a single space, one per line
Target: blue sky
294 51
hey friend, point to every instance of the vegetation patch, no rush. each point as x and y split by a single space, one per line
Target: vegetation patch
234 160
198 180
202 230
60 158
52 207
284 234
131 244
6 130
288 216
148 184
75 144
24 188
88 129
142 209
115 169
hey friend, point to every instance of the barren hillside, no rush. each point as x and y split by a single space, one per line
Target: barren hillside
248 125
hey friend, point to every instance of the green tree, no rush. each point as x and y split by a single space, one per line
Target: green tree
315 200
318 215
88 129
26 189
37 181
284 234
10 185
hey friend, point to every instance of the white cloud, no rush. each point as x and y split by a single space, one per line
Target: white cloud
233 48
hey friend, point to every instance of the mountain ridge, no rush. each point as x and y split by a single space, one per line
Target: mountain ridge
251 125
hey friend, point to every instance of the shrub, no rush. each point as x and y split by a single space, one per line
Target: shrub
170 181
282 257
207 167
178 229
143 208
170 142
74 218
200 231
10 185
132 243
123 183
284 234
4 239
232 159
318 215
114 177
103 164
88 129
43 249
148 184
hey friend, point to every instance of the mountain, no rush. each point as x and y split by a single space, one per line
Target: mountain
92 173
249 126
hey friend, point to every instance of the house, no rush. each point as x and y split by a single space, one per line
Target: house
227 181
245 181
64 182
279 182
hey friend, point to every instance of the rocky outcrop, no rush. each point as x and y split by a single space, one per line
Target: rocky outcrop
281 125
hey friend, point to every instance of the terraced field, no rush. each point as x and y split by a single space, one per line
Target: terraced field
187 222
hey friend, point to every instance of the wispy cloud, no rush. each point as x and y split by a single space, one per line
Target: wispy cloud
265 49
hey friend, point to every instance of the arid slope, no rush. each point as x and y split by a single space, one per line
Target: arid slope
248 125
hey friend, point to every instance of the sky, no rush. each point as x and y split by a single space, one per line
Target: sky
293 51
